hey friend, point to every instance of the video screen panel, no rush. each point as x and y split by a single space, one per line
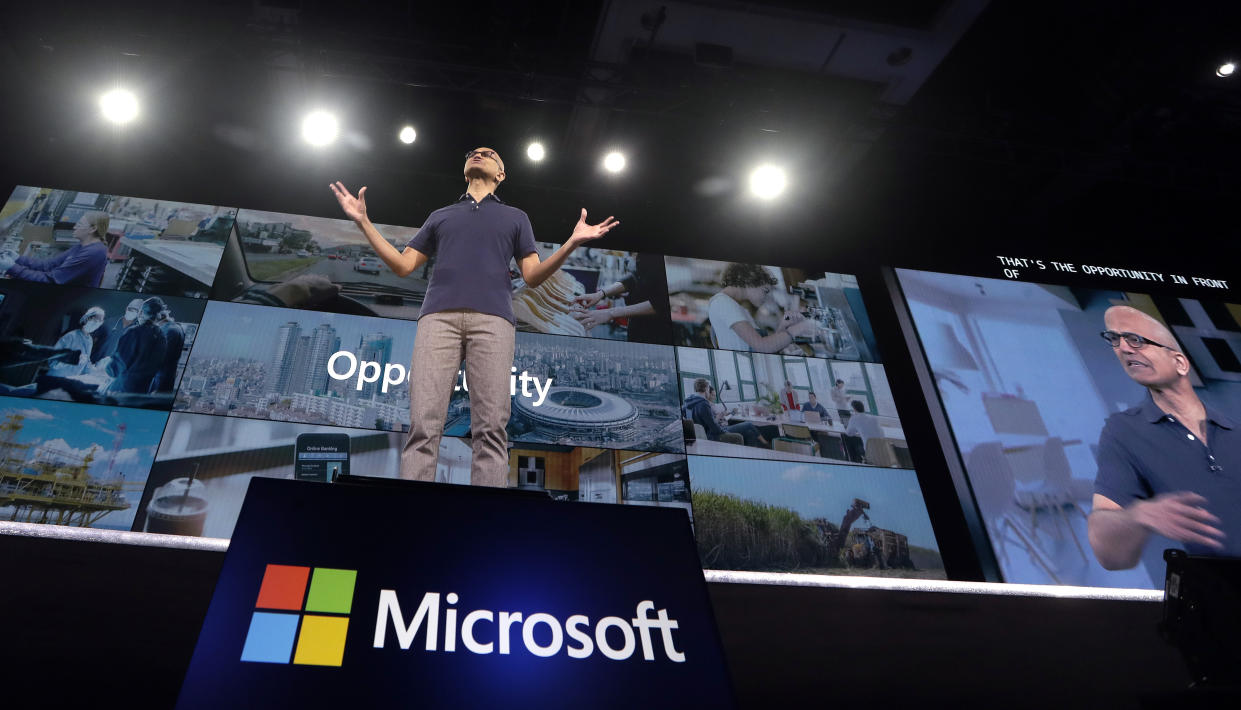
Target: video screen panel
1028 388
76 238
205 463
584 392
94 345
789 407
73 464
593 475
747 307
597 293
316 263
811 518
324 264
339 370
277 363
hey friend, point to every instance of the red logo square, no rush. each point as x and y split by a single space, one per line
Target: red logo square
284 587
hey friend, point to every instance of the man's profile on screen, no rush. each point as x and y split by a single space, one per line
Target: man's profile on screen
1168 466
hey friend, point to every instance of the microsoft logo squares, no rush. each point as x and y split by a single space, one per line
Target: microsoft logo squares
461 625
306 627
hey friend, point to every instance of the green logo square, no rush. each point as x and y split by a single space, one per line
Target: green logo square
331 590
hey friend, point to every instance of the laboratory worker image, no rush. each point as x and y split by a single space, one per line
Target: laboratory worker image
1168 467
468 310
80 265
733 325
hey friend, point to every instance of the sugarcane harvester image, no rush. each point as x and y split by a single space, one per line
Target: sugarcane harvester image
868 547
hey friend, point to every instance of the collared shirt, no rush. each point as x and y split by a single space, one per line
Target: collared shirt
865 426
1144 451
472 243
816 407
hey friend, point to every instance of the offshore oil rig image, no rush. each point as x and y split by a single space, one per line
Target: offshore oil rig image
49 486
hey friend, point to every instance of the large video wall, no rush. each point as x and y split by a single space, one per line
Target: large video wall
217 344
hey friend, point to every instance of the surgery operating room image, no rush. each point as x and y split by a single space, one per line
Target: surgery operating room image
94 345
1069 404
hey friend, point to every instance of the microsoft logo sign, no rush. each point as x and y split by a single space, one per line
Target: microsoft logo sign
320 640
302 617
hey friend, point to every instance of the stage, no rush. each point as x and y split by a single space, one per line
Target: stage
113 615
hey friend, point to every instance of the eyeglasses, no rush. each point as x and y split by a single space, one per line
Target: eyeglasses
1135 341
485 153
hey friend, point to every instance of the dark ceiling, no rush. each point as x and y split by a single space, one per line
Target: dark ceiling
1094 129
907 126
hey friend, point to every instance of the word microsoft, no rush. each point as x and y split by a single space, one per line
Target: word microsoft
497 636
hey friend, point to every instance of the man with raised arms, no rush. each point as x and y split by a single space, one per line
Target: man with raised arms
1168 466
468 311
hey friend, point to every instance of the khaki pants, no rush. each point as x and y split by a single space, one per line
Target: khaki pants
443 340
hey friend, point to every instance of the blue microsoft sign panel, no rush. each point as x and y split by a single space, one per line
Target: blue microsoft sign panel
438 596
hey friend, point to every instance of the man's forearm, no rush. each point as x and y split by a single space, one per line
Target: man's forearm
400 265
1117 538
544 269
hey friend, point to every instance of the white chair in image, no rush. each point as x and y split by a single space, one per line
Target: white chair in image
1045 484
995 488
882 451
797 440
700 434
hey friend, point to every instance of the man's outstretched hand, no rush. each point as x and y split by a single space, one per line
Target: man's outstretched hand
355 207
1180 516
583 232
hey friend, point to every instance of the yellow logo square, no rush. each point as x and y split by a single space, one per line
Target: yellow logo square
321 641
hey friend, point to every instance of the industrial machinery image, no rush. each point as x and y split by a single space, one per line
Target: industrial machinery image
39 485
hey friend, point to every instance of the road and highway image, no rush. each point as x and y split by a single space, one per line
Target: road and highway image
338 269
279 247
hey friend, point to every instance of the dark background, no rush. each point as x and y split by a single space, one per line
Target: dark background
1087 132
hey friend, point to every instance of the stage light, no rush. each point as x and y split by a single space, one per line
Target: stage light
407 135
1226 69
535 151
319 128
119 106
614 162
767 182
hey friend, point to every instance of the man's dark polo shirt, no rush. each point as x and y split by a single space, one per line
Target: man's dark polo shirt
472 243
1144 452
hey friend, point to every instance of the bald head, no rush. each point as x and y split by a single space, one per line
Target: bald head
1127 319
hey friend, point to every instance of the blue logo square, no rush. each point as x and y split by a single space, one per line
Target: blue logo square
270 638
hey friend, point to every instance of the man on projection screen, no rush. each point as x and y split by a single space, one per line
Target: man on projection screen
1168 466
468 311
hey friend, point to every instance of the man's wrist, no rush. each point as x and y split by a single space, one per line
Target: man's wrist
1136 514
